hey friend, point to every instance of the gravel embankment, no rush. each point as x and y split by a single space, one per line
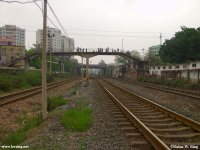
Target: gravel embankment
104 134
186 106
11 113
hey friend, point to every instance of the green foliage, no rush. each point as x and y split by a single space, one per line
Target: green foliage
54 102
183 47
22 80
77 120
34 78
6 83
153 58
133 53
20 136
69 65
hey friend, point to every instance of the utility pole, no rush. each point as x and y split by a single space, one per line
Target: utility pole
44 64
122 44
82 68
50 52
160 38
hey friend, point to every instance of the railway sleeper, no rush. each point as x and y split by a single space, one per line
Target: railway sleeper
130 129
125 124
152 117
141 144
180 138
144 111
177 130
161 121
167 125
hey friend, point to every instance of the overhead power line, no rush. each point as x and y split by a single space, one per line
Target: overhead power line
19 2
63 29
47 16
133 36
114 31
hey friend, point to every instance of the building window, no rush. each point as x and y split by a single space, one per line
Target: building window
158 67
3 51
177 67
170 67
184 66
194 65
164 67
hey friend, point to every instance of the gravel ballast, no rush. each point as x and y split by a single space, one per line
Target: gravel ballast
103 134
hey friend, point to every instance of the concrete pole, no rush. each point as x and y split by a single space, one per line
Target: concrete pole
50 65
82 68
44 65
87 68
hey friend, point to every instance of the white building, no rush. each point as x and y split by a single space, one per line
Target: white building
67 44
184 71
15 33
53 39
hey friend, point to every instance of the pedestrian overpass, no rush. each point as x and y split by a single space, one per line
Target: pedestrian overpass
134 62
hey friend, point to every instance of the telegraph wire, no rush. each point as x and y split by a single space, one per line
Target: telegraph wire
114 35
63 29
114 31
47 16
6 1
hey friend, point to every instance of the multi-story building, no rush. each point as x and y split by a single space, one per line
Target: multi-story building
15 33
53 39
67 44
9 53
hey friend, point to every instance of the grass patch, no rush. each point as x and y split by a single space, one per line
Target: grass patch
20 135
55 101
25 79
77 119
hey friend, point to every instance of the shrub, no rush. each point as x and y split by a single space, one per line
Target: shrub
34 78
55 102
6 83
77 120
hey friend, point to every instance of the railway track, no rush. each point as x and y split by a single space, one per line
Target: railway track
8 98
181 92
149 125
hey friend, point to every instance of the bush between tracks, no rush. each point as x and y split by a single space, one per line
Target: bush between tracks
78 118
55 101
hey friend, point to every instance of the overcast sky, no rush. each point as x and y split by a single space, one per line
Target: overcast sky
103 23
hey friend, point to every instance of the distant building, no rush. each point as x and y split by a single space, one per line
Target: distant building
9 53
53 39
6 40
190 71
67 44
14 33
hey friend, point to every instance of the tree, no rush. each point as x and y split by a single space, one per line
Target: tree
133 53
183 47
153 58
102 62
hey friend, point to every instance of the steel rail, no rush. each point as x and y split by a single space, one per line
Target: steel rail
4 99
156 142
167 89
179 117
